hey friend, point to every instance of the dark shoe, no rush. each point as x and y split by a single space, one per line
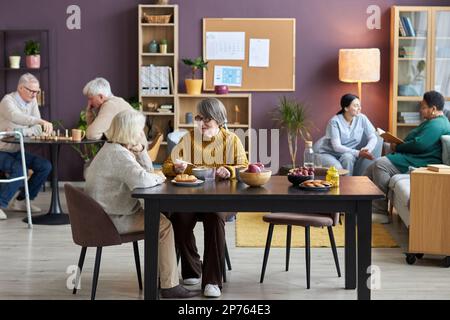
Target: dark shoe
178 292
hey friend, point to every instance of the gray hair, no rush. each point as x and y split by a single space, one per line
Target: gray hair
214 109
126 128
96 87
26 79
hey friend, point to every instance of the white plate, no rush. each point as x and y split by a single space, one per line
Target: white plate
188 184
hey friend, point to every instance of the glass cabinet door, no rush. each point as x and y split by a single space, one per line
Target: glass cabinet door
441 76
413 62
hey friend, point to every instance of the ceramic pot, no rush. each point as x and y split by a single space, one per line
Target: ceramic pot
33 62
193 86
14 62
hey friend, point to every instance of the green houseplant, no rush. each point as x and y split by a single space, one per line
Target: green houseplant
193 85
86 151
291 116
33 54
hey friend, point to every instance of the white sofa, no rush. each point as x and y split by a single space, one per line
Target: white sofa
399 185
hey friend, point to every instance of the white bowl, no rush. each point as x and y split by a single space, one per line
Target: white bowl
202 172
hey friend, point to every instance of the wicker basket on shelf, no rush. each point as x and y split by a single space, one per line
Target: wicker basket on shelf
163 18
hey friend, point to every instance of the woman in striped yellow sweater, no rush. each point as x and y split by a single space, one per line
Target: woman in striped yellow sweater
210 144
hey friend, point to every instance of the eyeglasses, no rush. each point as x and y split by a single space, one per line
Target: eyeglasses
32 91
201 118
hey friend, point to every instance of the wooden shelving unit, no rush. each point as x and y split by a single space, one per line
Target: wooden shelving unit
12 41
428 51
159 121
182 103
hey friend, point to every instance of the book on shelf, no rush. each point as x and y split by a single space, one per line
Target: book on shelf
409 117
408 27
438 168
412 32
389 137
402 30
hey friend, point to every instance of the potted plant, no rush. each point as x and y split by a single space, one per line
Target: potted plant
163 46
14 61
193 85
291 116
32 53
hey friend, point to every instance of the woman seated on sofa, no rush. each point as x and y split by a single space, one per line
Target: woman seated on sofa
421 147
119 167
345 134
210 144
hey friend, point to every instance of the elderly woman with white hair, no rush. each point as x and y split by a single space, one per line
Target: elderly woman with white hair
19 111
120 166
209 145
102 107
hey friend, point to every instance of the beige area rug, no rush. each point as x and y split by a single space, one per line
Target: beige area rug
251 231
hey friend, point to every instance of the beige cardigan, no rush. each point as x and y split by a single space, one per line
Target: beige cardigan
14 116
114 173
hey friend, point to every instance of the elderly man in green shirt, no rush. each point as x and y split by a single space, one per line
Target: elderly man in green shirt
422 146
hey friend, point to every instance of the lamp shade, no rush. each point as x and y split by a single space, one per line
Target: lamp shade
359 65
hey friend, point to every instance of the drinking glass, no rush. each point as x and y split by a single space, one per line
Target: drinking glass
210 174
317 161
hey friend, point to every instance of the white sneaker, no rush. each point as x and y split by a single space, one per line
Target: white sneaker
17 205
380 218
3 215
212 291
191 281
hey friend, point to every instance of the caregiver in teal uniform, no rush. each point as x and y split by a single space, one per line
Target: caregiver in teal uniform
422 146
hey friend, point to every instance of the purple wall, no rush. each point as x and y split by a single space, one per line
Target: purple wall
107 46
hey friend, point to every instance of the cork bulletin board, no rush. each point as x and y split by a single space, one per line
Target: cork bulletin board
279 75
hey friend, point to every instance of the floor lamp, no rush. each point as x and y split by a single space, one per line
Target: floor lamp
358 66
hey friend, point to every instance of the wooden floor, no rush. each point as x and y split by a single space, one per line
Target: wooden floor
33 265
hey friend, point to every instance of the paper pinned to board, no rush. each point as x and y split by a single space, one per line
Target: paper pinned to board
230 76
225 46
259 53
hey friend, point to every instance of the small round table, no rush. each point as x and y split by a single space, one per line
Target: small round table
55 215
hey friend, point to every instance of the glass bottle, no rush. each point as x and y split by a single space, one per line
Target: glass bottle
308 155
333 176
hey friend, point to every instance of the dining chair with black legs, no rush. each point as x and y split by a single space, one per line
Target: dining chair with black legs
92 227
307 221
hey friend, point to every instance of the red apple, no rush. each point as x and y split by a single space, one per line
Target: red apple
253 168
260 165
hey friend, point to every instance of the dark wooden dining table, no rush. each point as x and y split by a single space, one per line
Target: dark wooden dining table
353 198
55 215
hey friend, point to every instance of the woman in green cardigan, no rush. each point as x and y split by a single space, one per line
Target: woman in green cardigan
422 146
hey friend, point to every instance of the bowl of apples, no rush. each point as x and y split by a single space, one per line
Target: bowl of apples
299 175
255 175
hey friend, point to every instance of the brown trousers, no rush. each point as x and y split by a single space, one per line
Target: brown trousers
214 244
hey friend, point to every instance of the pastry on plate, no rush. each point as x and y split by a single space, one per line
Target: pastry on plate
316 184
185 178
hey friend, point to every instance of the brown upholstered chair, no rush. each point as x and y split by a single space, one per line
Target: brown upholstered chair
92 227
304 220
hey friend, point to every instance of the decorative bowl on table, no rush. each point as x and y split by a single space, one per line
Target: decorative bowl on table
255 179
299 175
296 180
